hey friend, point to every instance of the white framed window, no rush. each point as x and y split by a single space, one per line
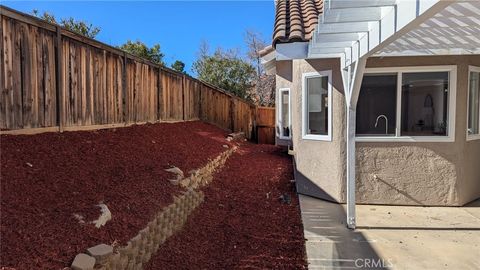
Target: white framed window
473 104
407 104
317 106
284 114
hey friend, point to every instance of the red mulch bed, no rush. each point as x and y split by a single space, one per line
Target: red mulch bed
72 172
238 226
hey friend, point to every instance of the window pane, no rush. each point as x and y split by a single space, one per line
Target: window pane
424 104
474 103
317 102
377 105
285 114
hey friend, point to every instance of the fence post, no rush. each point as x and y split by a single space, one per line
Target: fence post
124 89
183 97
159 94
200 113
59 81
254 115
232 113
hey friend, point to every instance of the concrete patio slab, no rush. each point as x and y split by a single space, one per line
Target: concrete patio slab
391 237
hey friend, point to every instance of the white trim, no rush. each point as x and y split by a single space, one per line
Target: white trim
305 136
398 113
471 137
280 113
451 107
404 139
290 51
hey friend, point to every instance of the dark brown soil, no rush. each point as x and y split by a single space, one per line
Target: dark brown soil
46 178
242 224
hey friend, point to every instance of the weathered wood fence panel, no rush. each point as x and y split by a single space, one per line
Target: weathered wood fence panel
172 96
192 99
53 78
244 115
265 125
28 97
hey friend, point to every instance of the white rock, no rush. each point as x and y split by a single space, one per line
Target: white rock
79 218
83 262
175 170
105 216
179 175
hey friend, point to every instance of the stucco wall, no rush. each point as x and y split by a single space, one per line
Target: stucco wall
318 161
413 173
443 173
283 80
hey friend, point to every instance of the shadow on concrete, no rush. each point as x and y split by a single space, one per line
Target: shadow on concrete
330 244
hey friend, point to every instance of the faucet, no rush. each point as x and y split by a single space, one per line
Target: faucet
386 122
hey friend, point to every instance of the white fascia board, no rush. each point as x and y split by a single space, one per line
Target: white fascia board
360 3
268 57
338 44
355 14
338 37
289 51
349 27
326 55
327 50
268 63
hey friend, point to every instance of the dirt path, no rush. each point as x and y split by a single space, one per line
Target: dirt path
243 224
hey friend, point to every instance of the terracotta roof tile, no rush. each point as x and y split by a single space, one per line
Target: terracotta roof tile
295 20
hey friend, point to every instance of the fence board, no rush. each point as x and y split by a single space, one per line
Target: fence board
172 96
51 77
266 125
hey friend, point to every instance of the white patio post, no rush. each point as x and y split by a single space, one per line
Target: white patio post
351 94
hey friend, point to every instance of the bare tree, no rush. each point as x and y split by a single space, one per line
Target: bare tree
264 84
255 44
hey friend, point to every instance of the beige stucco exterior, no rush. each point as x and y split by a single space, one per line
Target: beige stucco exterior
399 173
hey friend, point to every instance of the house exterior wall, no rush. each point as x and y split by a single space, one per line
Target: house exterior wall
399 173
417 173
283 80
319 163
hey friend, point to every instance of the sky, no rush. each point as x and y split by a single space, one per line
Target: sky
178 26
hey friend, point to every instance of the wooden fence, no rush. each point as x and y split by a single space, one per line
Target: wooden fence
265 128
53 79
